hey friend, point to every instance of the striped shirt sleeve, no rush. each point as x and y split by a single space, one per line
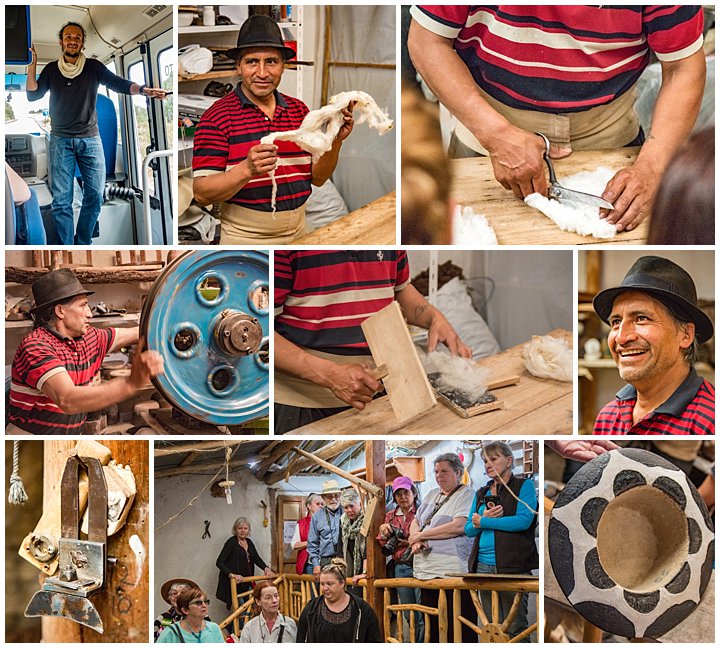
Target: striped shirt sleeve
674 32
443 20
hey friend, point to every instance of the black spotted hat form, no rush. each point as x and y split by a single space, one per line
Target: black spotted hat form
631 543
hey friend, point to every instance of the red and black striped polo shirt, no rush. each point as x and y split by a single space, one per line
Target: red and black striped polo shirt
326 295
562 58
690 410
231 127
41 355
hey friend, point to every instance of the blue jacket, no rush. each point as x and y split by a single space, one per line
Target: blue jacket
323 535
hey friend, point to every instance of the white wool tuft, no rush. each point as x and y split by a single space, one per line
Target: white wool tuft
467 226
320 127
549 357
457 373
577 217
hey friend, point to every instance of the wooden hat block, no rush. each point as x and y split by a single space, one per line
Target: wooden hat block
390 343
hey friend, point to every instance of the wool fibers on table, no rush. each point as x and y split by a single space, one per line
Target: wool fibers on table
457 373
577 217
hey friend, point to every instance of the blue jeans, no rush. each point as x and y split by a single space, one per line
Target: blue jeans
506 600
64 153
410 595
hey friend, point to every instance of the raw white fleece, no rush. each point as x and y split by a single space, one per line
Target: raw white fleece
320 127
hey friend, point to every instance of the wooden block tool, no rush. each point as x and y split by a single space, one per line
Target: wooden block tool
408 388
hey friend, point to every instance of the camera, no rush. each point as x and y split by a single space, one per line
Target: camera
393 541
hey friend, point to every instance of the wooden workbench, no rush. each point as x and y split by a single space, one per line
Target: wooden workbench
698 627
534 405
373 224
517 224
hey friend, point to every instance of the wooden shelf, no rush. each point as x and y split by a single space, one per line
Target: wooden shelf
217 29
219 74
123 321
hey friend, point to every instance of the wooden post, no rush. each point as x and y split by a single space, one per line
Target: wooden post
442 616
235 605
327 50
124 603
375 464
457 608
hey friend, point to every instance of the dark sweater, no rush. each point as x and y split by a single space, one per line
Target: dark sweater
72 101
233 559
364 622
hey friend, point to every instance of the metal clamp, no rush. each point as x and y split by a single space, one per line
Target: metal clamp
83 563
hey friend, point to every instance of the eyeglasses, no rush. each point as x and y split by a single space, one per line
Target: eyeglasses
200 602
331 495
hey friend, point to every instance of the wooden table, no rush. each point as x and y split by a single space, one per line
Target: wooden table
517 224
698 627
373 224
534 405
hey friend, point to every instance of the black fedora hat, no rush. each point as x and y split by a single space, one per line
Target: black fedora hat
260 31
668 283
56 286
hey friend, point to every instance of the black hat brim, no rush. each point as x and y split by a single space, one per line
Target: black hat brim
59 299
604 300
287 52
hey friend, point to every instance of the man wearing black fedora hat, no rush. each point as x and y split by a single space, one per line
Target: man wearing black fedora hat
655 327
55 368
231 167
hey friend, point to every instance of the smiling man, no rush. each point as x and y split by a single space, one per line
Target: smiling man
55 372
73 81
655 327
231 167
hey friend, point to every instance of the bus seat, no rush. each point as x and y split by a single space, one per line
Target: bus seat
23 223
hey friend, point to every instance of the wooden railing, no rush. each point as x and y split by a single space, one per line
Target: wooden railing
296 591
491 628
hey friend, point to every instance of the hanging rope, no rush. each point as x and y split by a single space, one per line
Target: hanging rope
17 494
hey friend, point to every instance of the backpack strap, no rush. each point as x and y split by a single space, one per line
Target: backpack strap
177 632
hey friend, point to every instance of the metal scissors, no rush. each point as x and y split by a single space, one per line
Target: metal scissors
563 195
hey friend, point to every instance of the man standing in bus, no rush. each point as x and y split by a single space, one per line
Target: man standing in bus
73 82
231 167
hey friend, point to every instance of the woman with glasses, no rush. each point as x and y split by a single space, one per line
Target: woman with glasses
269 626
192 603
439 543
237 561
337 616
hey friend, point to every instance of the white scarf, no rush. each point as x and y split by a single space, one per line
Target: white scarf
71 70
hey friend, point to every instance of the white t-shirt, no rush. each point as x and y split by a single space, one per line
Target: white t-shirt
449 555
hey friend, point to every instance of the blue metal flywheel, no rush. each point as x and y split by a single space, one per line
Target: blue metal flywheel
208 316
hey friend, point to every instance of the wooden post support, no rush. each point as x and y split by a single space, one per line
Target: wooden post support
124 603
375 464
442 616
457 608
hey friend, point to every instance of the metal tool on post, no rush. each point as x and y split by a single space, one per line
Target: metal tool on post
82 563
563 195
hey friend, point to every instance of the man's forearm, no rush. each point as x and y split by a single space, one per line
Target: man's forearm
93 398
325 166
417 309
676 109
292 360
31 82
221 186
450 80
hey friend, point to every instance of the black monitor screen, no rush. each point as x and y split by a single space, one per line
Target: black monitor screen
17 34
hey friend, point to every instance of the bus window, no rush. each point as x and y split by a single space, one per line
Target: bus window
166 62
136 73
21 115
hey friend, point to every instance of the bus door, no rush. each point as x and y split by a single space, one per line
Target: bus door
148 138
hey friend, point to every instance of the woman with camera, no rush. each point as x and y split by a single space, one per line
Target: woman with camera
393 539
438 540
502 521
